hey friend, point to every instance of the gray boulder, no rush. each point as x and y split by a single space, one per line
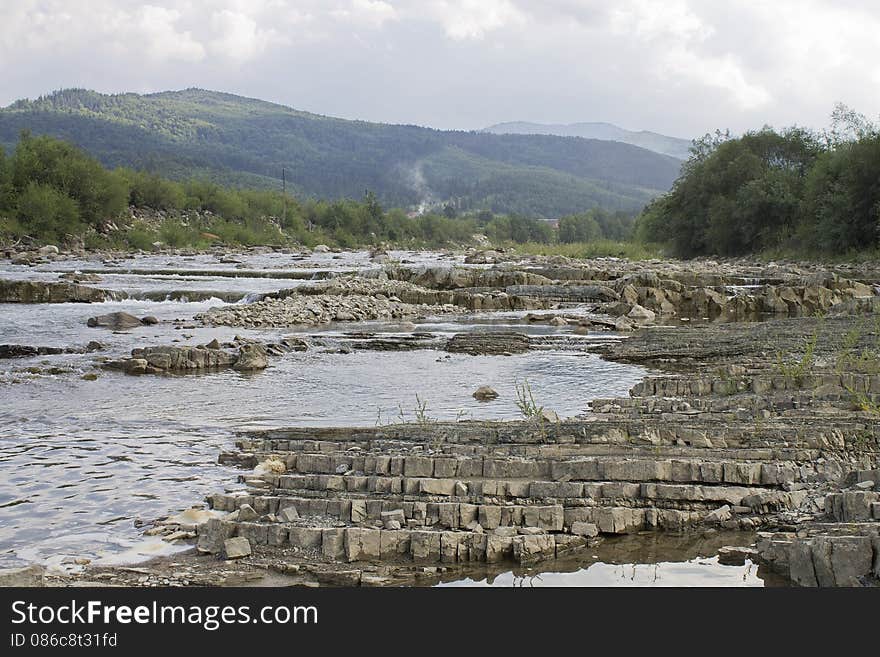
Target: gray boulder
116 321
251 357
485 393
236 548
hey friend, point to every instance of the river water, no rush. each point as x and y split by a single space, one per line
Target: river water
83 463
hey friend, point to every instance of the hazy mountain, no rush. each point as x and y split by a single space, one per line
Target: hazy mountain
652 141
247 141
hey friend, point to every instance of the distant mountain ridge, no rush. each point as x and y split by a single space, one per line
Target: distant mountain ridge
652 141
247 141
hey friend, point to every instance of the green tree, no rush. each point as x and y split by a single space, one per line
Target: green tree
152 191
7 198
841 208
47 212
579 228
735 196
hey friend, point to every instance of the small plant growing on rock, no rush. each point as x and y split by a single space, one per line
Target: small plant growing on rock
421 412
528 407
795 372
728 383
525 401
863 401
378 416
850 359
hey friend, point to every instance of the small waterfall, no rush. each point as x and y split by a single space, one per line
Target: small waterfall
251 297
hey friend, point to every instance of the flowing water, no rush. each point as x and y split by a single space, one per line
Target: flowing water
84 463
81 462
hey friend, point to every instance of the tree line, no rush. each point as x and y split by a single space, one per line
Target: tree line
51 191
792 190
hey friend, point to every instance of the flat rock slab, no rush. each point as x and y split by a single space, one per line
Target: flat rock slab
488 343
236 548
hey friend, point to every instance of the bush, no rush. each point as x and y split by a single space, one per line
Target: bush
47 212
98 193
152 191
138 238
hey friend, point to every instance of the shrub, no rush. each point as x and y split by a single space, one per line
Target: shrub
47 212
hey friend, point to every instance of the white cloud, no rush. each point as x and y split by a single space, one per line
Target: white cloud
677 37
369 13
238 37
684 65
154 28
474 19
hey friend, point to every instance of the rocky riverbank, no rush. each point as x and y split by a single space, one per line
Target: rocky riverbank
768 429
723 441
731 438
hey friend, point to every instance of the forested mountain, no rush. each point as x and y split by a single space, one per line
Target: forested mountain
652 141
231 139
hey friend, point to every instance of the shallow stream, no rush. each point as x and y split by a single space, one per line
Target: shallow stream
82 462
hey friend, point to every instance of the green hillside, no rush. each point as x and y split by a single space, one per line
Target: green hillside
243 141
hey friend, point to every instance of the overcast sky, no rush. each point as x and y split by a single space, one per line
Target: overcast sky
682 67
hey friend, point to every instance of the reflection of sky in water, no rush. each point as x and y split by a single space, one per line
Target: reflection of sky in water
696 572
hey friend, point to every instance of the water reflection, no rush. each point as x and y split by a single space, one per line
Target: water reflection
645 560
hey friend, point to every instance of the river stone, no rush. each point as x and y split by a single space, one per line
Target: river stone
485 393
116 321
288 514
391 516
251 357
641 315
212 535
135 366
246 513
24 351
184 358
720 514
236 548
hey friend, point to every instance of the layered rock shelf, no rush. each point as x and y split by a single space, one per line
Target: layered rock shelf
725 439
766 428
53 292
